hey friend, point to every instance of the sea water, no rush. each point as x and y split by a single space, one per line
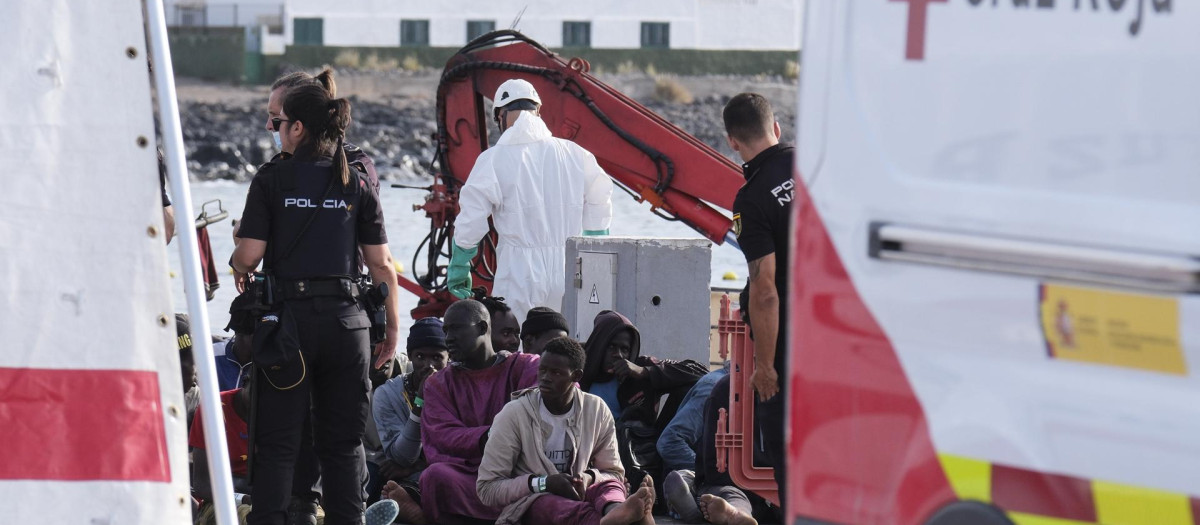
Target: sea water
406 229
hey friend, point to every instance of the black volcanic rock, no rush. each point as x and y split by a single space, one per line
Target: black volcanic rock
226 141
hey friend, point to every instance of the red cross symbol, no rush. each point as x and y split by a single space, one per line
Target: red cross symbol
918 11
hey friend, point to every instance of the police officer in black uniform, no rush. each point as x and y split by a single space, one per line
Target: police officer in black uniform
306 484
306 217
761 216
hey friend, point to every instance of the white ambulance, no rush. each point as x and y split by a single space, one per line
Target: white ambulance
995 294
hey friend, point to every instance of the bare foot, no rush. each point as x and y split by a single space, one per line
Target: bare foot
648 519
630 511
648 484
410 511
719 512
388 488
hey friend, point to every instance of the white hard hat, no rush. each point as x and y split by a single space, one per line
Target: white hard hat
512 90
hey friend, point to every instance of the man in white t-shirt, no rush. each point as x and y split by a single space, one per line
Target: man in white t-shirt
560 448
572 477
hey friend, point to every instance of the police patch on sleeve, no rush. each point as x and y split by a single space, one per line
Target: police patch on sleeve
737 225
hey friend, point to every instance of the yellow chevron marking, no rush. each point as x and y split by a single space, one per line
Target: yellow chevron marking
1032 519
971 478
1118 504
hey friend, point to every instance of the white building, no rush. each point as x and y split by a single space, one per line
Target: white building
226 13
676 24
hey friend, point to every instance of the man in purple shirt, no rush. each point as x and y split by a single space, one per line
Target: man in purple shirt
459 405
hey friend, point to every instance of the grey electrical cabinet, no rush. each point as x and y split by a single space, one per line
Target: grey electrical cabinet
661 285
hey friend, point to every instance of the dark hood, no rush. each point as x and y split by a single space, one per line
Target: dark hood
607 325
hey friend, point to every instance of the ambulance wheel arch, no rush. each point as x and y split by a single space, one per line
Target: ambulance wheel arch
969 513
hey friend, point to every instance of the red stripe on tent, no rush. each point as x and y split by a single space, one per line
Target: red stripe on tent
1195 510
1043 494
81 425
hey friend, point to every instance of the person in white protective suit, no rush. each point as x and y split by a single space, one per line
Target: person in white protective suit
539 190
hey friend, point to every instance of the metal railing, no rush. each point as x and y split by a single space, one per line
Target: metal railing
735 427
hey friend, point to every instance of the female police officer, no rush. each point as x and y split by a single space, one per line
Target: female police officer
305 214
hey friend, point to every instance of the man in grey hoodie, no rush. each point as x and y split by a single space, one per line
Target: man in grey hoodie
552 453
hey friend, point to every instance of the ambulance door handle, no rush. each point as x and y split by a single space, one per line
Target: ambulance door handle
1157 272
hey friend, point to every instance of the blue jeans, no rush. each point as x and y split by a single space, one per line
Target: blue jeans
678 442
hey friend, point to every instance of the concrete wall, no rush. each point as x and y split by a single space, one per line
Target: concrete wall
746 24
273 44
695 24
316 56
609 33
346 30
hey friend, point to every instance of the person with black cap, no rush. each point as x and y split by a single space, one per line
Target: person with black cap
397 410
187 366
541 326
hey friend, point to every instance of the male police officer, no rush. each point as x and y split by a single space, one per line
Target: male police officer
539 190
761 215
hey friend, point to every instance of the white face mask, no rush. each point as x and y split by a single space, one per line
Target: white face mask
278 142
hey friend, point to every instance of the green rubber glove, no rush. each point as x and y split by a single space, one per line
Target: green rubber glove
458 274
594 233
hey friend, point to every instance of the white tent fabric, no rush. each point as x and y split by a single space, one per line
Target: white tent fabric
91 410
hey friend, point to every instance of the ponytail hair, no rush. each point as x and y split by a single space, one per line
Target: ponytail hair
339 120
299 78
325 119
325 79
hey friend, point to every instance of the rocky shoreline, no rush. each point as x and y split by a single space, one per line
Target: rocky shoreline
226 138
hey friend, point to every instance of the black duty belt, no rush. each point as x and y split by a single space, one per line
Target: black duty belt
309 288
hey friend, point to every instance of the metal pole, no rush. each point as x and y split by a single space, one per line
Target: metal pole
189 253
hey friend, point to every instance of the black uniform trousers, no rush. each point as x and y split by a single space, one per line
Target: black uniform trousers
771 418
336 348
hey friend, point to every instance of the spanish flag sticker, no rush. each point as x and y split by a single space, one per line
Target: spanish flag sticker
1112 328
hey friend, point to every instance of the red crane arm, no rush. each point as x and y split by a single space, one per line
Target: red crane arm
682 178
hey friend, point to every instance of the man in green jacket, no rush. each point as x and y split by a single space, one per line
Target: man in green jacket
552 453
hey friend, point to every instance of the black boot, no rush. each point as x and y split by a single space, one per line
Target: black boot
302 512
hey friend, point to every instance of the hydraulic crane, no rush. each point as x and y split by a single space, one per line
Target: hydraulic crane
654 161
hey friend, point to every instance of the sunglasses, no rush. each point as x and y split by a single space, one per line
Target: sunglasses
275 122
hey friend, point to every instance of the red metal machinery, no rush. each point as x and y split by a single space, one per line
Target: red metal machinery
735 427
681 177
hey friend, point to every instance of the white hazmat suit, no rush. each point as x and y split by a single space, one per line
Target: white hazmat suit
539 190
